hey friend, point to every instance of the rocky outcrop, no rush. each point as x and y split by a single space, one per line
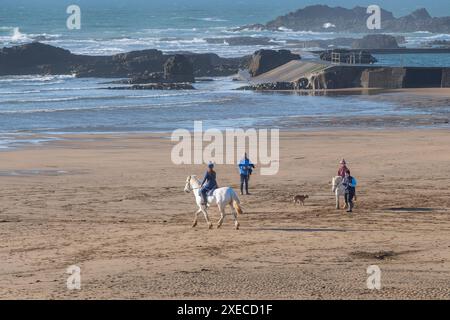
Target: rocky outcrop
266 60
212 65
321 18
38 58
376 41
368 42
178 69
34 58
348 56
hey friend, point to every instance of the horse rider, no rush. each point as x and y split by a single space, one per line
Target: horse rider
209 183
349 184
245 170
343 168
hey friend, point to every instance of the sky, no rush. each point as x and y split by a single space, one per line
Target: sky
399 7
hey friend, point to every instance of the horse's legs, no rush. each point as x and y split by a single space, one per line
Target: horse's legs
337 201
222 216
194 224
206 218
234 214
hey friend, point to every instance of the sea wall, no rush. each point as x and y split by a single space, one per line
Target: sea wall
388 78
360 76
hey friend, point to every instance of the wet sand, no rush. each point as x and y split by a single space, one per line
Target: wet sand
114 205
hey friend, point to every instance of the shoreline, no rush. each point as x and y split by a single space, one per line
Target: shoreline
45 141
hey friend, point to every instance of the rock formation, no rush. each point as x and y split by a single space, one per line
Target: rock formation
178 68
376 41
322 18
39 58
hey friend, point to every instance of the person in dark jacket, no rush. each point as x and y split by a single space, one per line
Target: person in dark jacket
209 183
245 170
342 170
349 184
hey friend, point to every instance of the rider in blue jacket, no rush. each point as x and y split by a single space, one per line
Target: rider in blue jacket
245 170
209 183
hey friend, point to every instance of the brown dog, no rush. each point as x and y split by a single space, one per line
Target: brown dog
301 199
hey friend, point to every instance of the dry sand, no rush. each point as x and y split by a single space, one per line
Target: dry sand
115 206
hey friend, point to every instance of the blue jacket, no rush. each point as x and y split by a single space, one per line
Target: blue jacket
210 179
349 183
246 167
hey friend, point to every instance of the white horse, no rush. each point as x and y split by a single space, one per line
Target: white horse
221 196
338 189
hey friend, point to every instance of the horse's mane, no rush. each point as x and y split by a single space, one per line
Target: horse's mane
194 177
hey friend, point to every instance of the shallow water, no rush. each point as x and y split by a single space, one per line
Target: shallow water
35 109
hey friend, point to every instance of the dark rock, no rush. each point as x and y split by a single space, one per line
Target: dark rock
318 17
38 58
349 56
178 68
266 60
212 65
376 41
33 58
420 14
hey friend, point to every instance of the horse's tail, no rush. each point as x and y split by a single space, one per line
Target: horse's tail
236 203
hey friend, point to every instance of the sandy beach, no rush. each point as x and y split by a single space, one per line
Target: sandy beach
114 206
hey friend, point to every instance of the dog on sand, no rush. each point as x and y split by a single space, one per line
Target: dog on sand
300 199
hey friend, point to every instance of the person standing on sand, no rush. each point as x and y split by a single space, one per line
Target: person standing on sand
342 170
245 170
349 184
209 183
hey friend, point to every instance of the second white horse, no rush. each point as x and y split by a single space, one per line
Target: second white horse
338 189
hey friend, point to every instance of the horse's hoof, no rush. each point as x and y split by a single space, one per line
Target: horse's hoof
194 224
210 226
237 226
218 226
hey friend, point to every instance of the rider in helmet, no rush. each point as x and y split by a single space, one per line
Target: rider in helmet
343 168
209 183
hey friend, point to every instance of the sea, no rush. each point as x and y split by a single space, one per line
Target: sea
35 109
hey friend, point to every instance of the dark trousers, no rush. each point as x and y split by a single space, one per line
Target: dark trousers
244 180
349 195
204 192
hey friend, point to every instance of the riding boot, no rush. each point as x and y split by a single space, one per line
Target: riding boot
204 199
